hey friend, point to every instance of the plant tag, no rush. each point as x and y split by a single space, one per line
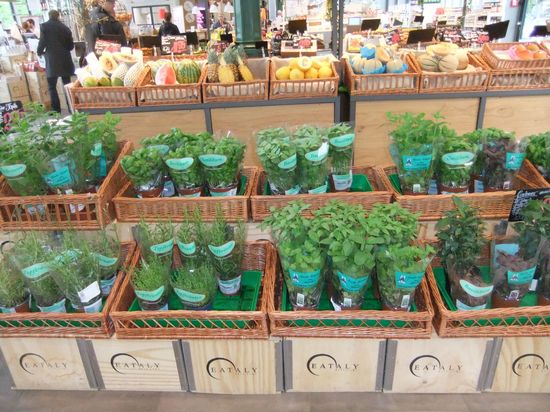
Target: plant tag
352 284
162 248
417 162
514 295
417 188
212 160
183 163
336 306
514 160
343 141
405 301
97 150
13 170
94 307
187 248
150 295
458 158
408 280
463 306
508 248
6 310
230 287
162 148
342 182
300 299
521 277
288 163
534 284
479 187
61 177
168 190
318 190
89 292
36 270
189 296
294 191
58 307
223 250
318 155
231 192
432 190
475 291
347 302
305 279
105 261
106 285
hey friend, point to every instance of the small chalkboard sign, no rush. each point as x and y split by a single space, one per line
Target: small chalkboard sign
174 44
522 197
7 110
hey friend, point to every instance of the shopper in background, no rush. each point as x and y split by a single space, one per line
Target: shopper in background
56 42
221 23
168 28
34 28
104 23
263 16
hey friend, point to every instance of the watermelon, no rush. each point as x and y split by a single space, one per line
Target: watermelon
165 75
188 71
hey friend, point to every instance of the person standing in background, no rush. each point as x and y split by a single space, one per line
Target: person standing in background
104 23
263 16
56 43
168 28
34 28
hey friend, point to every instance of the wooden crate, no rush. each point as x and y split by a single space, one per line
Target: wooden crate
138 365
36 363
233 366
437 365
522 365
333 365
101 97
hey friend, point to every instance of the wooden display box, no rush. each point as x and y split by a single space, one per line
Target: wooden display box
47 364
138 365
437 365
333 365
101 97
234 366
522 365
95 209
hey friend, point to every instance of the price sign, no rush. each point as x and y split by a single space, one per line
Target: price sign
7 110
174 44
522 198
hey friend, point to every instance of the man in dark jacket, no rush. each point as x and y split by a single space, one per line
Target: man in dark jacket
168 28
104 23
56 42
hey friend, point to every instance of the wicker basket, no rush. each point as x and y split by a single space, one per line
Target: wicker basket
129 208
101 97
257 89
379 324
499 63
95 210
531 177
521 321
179 324
490 205
260 203
68 325
296 89
386 83
149 94
458 81
519 79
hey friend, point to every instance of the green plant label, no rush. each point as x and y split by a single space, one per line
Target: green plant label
169 189
230 192
305 279
102 165
89 292
351 284
458 158
58 307
318 155
514 160
318 190
162 148
187 248
36 270
105 261
231 286
212 160
189 296
180 164
408 280
223 250
162 248
342 182
343 141
106 285
6 310
293 191
522 277
418 162
13 170
61 177
463 306
475 291
97 150
289 163
150 295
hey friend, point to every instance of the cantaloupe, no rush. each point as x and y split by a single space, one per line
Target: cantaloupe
428 63
449 63
463 60
382 54
372 66
358 64
395 66
117 78
166 75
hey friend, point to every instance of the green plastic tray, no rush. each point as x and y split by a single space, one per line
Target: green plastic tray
396 183
359 183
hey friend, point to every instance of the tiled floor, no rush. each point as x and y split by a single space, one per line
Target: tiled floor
50 401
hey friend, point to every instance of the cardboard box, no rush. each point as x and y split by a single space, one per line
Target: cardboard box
17 87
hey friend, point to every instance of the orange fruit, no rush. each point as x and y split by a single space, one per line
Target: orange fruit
533 47
539 55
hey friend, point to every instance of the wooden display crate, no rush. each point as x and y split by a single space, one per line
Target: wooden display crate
138 365
101 97
130 208
522 365
437 365
333 365
97 209
260 203
47 364
233 366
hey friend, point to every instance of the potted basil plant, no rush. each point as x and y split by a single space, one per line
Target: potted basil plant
456 165
538 152
222 161
341 138
145 169
151 283
14 296
312 158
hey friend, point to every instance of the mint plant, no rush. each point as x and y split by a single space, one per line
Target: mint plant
222 161
503 159
312 159
456 165
538 152
390 224
341 139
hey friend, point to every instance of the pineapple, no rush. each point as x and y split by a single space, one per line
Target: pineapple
231 60
212 69
225 73
244 70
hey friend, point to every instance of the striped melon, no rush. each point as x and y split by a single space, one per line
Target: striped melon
131 78
188 71
117 78
428 63
449 63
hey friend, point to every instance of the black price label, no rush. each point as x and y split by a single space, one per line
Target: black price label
174 44
522 197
